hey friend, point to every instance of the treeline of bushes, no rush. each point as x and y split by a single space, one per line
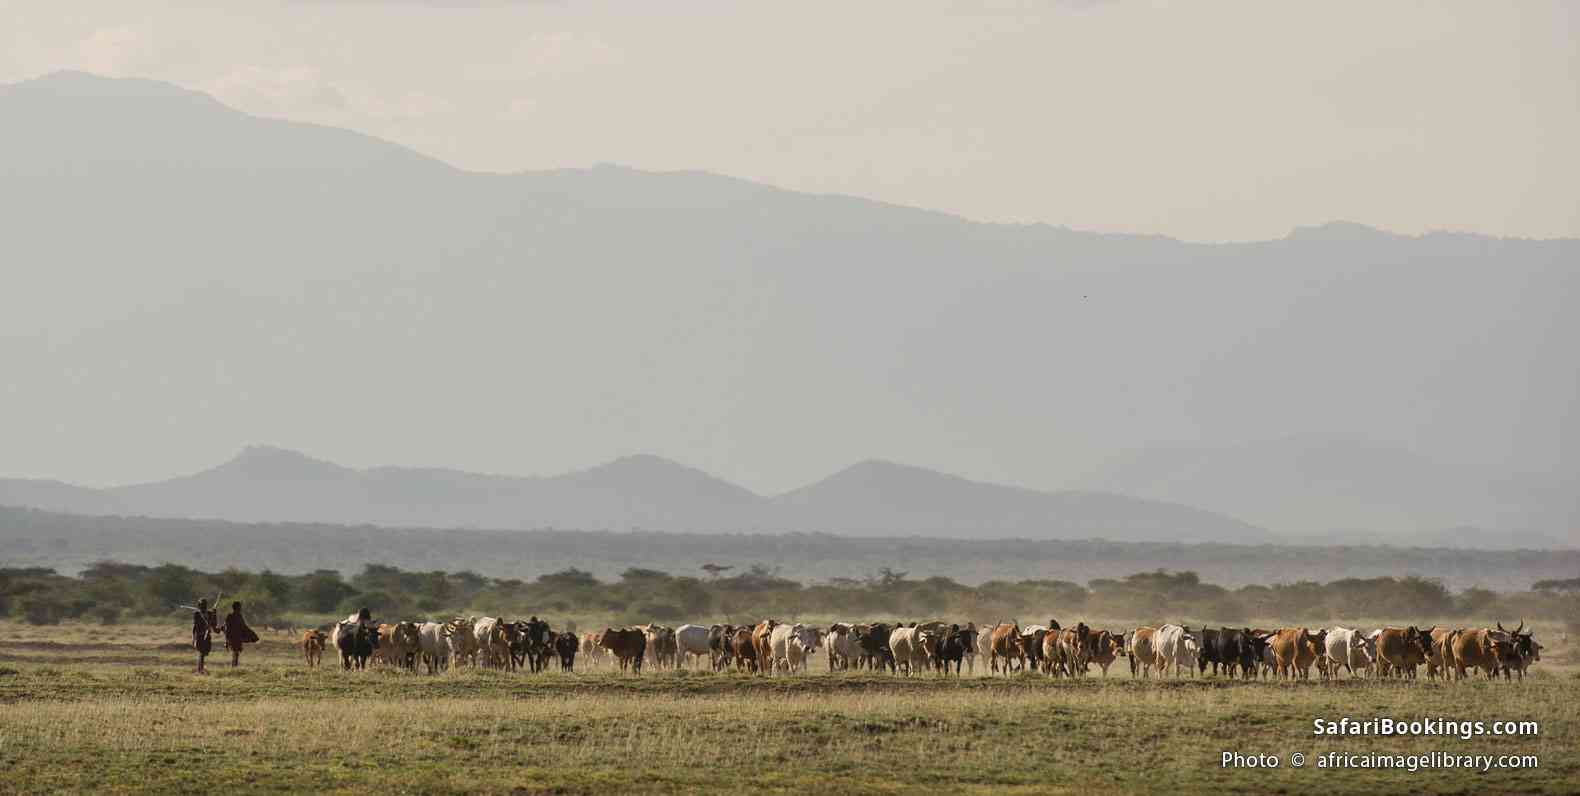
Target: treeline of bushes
110 592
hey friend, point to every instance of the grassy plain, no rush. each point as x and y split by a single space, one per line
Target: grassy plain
85 708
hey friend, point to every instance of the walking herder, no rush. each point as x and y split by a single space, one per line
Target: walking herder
205 623
237 633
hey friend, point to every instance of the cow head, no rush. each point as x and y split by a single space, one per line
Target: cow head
803 637
967 637
1031 643
1255 647
1525 644
1421 641
405 635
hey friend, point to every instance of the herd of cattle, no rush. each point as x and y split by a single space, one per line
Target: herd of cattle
772 647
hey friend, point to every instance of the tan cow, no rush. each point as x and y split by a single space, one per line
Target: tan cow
1143 652
1401 650
1295 649
1073 649
762 644
592 651
313 642
399 645
1441 661
1005 646
1480 648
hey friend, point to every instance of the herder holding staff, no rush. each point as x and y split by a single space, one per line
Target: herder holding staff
237 633
205 624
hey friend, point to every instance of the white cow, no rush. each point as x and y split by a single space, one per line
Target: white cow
493 644
842 646
909 645
1269 660
1347 648
692 640
1173 651
430 643
790 645
985 642
458 637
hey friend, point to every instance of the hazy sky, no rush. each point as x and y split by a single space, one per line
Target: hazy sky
1201 120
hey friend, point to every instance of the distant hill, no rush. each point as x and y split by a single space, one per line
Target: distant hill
194 273
268 484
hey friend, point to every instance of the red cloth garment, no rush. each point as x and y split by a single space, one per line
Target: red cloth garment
236 631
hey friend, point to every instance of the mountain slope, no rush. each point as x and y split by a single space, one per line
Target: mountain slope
197 274
266 484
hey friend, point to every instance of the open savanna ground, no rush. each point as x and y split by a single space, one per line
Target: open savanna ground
84 707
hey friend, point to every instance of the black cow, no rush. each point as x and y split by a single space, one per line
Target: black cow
874 643
516 637
357 643
1209 650
535 638
1226 647
954 646
565 646
1252 648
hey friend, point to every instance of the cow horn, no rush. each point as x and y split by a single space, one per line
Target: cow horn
1500 627
1521 627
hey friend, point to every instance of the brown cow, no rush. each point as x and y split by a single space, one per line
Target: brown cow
1480 648
1441 661
399 645
626 644
1142 651
1006 645
313 642
1073 649
1295 649
1402 649
1103 648
744 650
762 642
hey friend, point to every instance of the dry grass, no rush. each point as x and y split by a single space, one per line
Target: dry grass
75 718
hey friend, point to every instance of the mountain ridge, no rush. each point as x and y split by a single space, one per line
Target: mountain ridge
643 491
79 84
347 288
